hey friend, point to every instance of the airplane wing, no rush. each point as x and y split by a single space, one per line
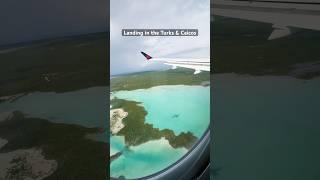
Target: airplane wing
284 15
197 64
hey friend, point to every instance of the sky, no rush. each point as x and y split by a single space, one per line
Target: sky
150 14
24 21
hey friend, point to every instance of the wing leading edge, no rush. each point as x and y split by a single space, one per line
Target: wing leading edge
196 64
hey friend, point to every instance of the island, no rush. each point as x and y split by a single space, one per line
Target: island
136 131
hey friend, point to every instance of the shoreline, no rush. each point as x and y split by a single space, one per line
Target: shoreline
204 84
145 80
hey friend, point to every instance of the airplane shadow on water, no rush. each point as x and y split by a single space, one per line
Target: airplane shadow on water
175 116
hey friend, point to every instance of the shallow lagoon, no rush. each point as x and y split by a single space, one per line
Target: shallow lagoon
179 108
144 159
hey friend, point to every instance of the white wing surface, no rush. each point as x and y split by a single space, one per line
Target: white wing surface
196 64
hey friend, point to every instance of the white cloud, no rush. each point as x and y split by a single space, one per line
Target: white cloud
188 14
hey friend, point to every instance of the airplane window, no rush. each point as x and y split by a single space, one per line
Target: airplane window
155 119
159 84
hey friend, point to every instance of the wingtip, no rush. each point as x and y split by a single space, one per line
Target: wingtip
148 57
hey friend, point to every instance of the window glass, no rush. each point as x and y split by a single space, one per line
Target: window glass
160 97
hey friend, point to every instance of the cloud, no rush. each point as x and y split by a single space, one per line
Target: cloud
146 14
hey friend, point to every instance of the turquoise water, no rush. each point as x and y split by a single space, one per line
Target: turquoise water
117 143
175 106
144 159
179 108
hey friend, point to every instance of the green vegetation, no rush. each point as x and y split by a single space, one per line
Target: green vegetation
62 64
242 47
77 156
144 80
136 131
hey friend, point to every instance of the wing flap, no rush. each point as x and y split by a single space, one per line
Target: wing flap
197 67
